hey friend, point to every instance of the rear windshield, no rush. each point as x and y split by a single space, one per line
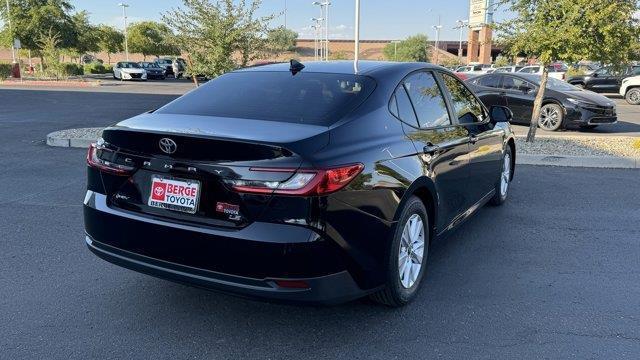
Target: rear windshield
309 98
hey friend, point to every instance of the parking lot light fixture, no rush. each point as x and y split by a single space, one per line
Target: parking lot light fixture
124 18
13 48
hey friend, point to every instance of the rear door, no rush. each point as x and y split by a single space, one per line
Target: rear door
488 88
518 98
485 140
441 145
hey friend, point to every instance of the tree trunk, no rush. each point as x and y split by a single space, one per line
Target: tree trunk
109 58
537 104
193 76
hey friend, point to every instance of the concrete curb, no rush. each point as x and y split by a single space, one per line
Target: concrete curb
75 138
50 83
579 161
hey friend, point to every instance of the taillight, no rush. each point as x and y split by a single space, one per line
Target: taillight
303 182
96 160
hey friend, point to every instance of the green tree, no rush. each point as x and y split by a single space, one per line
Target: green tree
212 32
110 40
151 38
501 61
281 39
33 19
413 48
88 35
569 30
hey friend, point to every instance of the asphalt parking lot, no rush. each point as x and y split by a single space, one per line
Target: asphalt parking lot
552 274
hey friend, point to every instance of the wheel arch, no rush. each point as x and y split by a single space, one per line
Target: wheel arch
424 189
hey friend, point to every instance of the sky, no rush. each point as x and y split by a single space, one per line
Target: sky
380 19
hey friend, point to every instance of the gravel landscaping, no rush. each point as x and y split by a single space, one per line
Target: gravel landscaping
581 146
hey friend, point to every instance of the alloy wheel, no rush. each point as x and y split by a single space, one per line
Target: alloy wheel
506 175
550 118
411 251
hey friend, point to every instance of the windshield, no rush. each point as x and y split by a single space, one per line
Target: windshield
147 65
129 65
310 98
559 85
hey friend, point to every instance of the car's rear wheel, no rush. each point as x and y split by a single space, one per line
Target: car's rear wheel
407 256
633 96
551 116
502 187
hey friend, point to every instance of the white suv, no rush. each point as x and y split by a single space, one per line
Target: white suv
630 89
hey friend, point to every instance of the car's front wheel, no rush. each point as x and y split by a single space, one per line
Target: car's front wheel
502 187
407 256
551 116
633 96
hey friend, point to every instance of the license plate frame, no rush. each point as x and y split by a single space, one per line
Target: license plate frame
159 204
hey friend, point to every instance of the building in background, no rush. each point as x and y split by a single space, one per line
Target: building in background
480 35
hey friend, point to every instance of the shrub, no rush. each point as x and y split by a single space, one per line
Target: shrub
108 69
71 69
5 71
94 68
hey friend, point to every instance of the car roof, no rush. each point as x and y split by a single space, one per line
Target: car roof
370 68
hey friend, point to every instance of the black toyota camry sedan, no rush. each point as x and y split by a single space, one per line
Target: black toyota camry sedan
564 105
307 183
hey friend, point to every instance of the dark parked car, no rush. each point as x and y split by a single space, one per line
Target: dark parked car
311 184
154 70
564 105
604 80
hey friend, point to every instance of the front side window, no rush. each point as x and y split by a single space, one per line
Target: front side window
467 107
427 99
602 71
514 83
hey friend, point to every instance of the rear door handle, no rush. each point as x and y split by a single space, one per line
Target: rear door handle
431 149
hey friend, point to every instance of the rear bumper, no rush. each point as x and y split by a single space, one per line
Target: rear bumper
246 262
329 289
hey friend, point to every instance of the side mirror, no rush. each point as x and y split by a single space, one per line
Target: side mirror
595 74
500 114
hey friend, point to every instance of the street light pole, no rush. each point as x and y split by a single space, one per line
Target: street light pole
461 26
13 48
285 14
357 38
326 30
124 17
318 37
437 29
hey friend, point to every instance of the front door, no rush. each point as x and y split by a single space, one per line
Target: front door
441 145
485 140
520 96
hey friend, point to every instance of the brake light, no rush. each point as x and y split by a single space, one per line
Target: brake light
94 160
304 182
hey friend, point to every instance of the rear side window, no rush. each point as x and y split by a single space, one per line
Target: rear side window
427 99
405 109
491 81
467 107
308 98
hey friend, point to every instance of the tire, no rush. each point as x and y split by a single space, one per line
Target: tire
114 76
633 96
502 187
551 117
402 284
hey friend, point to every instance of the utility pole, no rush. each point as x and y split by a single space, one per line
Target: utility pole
461 25
13 48
357 38
285 14
124 17
395 49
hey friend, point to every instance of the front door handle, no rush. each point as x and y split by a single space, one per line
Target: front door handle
473 139
431 149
